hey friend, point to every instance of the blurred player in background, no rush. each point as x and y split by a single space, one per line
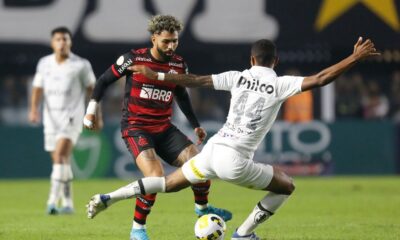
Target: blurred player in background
62 81
146 116
257 95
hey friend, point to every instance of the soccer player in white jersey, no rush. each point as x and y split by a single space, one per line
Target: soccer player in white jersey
62 81
257 94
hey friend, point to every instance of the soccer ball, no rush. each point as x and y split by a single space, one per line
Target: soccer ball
210 227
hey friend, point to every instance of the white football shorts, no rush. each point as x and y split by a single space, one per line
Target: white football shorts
50 139
223 162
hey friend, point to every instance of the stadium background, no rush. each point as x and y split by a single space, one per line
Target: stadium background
310 35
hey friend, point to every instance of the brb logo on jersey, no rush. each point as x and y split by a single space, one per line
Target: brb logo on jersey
149 92
255 85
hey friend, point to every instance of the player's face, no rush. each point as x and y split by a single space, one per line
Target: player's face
166 43
61 44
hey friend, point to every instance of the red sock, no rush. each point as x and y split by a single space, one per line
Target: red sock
200 191
143 207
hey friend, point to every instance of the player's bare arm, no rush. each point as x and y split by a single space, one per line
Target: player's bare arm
362 50
36 98
187 80
183 101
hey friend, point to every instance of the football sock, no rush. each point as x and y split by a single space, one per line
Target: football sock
143 208
66 193
263 210
143 186
136 225
55 184
200 192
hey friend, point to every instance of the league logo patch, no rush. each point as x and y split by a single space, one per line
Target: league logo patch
120 60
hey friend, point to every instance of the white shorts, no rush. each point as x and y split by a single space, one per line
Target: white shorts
219 161
50 139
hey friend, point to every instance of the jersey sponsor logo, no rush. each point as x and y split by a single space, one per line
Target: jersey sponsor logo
255 85
172 71
173 64
142 59
124 65
59 92
149 92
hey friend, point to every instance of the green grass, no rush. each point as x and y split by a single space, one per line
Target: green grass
321 208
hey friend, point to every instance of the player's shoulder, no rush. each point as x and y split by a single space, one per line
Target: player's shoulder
79 61
177 58
140 51
46 59
77 58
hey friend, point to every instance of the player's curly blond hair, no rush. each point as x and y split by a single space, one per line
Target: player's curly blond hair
160 23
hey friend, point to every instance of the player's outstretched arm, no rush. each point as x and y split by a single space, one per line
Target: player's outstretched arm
362 50
187 80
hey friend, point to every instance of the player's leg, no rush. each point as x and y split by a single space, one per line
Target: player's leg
176 149
194 171
280 187
141 145
55 176
62 154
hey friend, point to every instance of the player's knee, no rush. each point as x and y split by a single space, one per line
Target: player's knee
153 173
171 185
290 187
61 158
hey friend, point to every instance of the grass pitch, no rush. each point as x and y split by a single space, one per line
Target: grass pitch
321 208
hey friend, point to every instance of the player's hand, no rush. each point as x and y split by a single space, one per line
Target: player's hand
146 71
34 117
89 121
201 135
364 49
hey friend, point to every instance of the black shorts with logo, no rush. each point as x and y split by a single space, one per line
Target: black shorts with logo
167 144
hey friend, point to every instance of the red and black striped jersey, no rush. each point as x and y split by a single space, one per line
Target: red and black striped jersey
147 103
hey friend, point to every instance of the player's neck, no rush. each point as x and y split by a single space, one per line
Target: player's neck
156 55
60 58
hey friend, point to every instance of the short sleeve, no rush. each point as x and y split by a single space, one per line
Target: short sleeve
288 86
38 78
225 80
88 77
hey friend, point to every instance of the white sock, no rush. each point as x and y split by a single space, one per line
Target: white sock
201 206
143 186
136 225
263 210
66 193
55 184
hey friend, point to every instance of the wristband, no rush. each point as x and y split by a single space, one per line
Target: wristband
87 123
160 76
92 107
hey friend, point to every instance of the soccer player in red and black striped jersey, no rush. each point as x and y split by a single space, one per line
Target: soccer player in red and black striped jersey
146 121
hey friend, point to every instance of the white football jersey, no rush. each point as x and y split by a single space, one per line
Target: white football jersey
64 88
257 94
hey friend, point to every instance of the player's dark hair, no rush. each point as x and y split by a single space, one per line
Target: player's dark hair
160 23
264 51
61 30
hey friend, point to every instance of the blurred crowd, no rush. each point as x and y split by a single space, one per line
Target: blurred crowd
357 96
